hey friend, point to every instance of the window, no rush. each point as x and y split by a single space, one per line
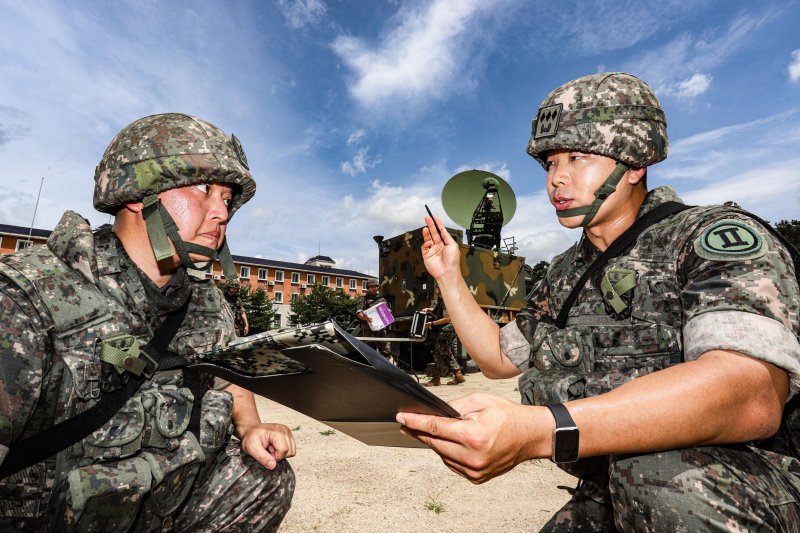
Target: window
279 276
352 284
295 296
277 297
339 283
311 279
326 280
244 272
276 321
22 244
295 277
262 274
364 285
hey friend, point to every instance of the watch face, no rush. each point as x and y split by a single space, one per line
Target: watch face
565 445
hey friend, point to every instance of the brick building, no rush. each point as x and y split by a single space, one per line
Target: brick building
282 280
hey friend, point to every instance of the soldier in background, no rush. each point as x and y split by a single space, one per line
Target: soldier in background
370 298
663 387
445 343
79 318
231 294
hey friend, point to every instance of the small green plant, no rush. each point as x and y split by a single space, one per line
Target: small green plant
434 505
328 432
296 428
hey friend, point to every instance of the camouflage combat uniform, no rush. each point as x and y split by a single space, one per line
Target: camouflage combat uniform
445 343
237 308
684 301
142 469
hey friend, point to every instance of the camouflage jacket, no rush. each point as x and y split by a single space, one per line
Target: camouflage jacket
57 305
706 278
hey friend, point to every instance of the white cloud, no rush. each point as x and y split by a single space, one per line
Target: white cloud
356 137
301 14
360 163
794 66
418 59
691 87
676 67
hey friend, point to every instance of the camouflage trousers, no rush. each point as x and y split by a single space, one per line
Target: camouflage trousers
714 488
444 353
237 495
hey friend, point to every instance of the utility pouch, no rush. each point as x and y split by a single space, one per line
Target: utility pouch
119 437
105 497
169 413
174 470
562 358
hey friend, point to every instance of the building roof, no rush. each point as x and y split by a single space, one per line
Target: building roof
320 258
20 231
283 265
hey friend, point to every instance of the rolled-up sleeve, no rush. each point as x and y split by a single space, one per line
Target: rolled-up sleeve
754 335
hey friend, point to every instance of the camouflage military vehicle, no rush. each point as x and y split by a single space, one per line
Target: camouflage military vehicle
496 280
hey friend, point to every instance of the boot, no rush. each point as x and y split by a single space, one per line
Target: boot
458 378
434 382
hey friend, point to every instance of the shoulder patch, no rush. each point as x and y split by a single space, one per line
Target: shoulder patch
730 240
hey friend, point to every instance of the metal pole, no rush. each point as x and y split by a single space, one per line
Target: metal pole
36 208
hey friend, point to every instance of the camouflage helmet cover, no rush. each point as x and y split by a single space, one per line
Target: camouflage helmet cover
612 114
372 282
166 151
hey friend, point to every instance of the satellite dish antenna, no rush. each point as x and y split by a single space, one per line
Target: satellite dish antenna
480 202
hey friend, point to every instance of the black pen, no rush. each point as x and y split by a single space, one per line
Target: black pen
435 225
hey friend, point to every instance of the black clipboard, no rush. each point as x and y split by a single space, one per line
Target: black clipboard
327 374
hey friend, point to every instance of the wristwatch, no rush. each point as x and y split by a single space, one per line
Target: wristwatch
565 435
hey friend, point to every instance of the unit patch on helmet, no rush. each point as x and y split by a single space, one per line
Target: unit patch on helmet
239 151
546 123
730 240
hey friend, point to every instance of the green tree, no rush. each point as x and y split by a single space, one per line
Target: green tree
534 274
321 304
260 310
790 229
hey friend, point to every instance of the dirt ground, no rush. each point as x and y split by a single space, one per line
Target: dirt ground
345 485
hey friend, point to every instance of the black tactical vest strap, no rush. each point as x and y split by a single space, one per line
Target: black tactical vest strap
49 442
617 247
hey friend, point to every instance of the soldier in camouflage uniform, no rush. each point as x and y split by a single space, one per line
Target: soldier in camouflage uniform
668 381
445 344
172 181
237 307
370 298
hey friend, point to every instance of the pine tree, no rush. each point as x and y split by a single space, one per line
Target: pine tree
321 304
259 309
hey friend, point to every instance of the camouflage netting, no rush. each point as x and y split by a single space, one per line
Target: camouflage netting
162 152
612 114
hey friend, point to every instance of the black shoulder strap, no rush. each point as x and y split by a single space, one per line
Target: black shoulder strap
49 442
617 247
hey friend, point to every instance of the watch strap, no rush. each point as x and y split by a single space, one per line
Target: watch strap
561 414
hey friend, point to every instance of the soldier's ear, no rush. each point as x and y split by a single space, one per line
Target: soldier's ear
635 175
134 207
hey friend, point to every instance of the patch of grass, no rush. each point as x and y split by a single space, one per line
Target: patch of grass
434 505
328 432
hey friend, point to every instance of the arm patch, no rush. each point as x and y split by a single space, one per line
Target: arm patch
730 240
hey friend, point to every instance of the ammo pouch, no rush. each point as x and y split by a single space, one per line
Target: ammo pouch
562 358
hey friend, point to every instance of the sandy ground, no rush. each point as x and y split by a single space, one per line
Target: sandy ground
345 485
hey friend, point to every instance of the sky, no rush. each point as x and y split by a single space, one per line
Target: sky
354 114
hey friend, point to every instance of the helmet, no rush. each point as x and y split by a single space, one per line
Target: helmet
372 283
161 152
612 114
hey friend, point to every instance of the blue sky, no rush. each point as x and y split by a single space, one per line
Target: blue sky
354 114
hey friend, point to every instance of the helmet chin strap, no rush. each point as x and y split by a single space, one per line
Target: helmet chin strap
162 231
600 195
